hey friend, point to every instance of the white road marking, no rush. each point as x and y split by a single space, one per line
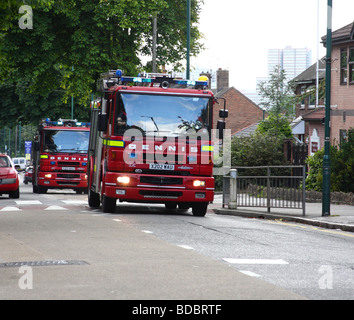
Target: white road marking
117 220
74 201
185 247
24 202
55 208
255 261
250 273
10 209
146 231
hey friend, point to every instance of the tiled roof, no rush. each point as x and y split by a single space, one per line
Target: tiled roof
341 35
310 73
314 115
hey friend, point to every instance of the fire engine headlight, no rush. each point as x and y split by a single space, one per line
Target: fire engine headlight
198 183
48 175
124 180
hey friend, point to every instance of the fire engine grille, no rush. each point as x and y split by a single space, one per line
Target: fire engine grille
68 176
161 180
153 194
68 163
67 183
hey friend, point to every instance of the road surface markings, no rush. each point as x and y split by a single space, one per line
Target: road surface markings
10 209
255 261
27 202
250 273
117 220
55 208
74 201
185 247
146 231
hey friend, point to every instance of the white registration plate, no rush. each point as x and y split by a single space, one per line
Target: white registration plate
156 166
68 168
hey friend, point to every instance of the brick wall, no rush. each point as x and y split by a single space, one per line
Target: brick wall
242 111
342 97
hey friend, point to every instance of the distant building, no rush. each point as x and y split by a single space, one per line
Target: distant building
243 112
292 60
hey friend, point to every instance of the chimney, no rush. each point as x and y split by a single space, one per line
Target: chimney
222 79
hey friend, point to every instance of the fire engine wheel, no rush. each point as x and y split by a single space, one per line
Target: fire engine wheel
108 204
93 199
42 189
200 209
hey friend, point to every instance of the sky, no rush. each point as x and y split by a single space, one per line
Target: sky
238 33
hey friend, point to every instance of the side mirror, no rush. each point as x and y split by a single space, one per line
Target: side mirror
223 114
102 122
220 126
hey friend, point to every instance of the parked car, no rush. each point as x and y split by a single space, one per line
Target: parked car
9 179
28 175
20 163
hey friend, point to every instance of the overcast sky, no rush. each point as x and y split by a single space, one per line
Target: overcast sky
238 33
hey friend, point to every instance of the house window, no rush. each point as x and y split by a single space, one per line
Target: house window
343 66
351 65
303 91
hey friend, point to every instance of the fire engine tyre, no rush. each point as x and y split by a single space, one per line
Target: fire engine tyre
200 209
170 206
93 199
42 189
108 204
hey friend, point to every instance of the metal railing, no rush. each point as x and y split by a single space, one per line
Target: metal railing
265 186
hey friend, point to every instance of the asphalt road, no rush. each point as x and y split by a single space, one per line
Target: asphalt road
146 252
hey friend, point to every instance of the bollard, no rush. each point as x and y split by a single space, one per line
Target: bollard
233 189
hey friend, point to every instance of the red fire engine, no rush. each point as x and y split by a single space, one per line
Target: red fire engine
60 156
150 141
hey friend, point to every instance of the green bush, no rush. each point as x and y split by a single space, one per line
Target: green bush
342 168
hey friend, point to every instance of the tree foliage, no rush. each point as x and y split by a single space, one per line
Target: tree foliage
277 97
73 41
342 168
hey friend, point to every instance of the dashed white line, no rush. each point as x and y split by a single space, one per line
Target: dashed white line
255 261
250 273
146 231
185 247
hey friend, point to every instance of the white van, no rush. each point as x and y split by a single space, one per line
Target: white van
19 163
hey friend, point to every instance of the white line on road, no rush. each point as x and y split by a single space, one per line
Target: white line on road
255 261
55 208
146 231
10 209
250 273
185 247
24 202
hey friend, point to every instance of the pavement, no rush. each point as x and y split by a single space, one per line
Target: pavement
341 216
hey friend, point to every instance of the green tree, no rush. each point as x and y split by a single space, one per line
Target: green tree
277 97
73 41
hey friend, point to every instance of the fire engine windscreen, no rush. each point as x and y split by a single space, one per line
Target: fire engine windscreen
162 115
62 141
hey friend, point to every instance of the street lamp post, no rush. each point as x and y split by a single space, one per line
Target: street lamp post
188 37
326 194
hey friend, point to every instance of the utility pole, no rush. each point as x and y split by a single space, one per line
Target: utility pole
154 41
72 100
326 194
188 38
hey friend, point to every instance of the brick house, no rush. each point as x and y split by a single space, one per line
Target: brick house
242 111
308 126
342 82
342 93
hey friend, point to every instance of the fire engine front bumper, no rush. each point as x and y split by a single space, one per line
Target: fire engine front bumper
62 181
138 190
